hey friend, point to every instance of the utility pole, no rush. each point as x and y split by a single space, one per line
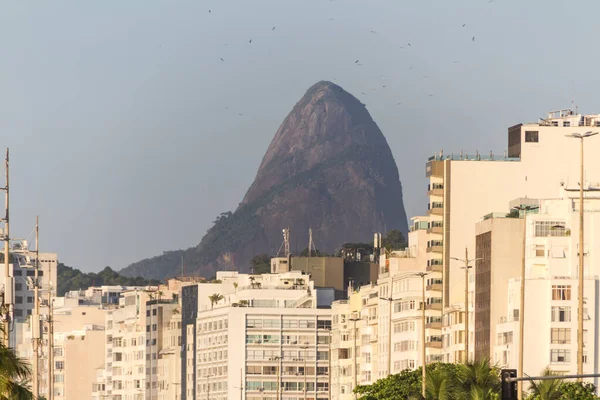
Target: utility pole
525 210
423 353
35 318
50 343
354 353
6 314
466 268
581 137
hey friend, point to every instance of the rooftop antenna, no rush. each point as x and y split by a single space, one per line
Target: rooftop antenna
286 243
311 244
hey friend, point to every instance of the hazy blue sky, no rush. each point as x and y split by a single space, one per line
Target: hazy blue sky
115 111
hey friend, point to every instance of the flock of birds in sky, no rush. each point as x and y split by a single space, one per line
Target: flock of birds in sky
358 63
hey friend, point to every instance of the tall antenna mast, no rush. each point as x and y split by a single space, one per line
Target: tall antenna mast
6 307
310 242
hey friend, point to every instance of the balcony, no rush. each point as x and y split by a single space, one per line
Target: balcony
434 306
434 268
433 325
433 345
436 287
438 230
435 190
437 248
435 211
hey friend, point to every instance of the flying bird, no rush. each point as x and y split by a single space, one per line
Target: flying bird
473 38
356 62
384 86
209 11
273 29
222 59
363 93
410 45
250 41
464 25
240 114
373 32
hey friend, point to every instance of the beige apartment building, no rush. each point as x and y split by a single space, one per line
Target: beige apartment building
464 186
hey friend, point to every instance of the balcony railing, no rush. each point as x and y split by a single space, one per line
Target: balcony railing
434 268
434 306
433 345
436 287
433 325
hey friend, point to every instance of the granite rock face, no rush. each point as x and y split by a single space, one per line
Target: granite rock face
328 167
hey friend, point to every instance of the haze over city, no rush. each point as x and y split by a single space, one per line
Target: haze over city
133 124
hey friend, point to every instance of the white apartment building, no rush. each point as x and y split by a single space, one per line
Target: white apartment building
551 303
463 187
258 337
134 340
346 341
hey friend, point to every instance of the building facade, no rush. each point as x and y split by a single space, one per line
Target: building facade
262 337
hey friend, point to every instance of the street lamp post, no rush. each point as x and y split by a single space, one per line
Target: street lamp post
466 268
525 210
581 137
423 354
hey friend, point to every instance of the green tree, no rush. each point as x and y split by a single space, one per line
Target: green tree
405 385
546 389
14 376
479 380
215 298
394 240
442 385
314 253
261 263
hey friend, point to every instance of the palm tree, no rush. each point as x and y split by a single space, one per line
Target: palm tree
14 375
479 380
440 385
215 298
235 286
159 294
546 389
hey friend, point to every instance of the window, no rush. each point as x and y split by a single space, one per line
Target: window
540 250
531 136
561 314
19 299
29 299
566 123
59 365
59 378
323 324
18 286
18 312
561 292
560 335
58 352
550 228
560 356
17 272
30 272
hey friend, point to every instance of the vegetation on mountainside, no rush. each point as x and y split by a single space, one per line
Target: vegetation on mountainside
470 381
73 279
